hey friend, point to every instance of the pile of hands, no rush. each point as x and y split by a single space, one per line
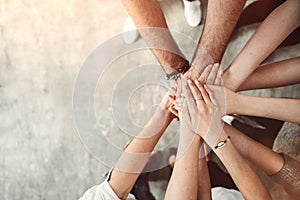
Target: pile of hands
199 104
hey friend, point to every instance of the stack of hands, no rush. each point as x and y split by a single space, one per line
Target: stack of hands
200 104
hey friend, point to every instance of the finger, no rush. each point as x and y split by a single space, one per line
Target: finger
173 90
218 80
195 91
211 95
179 89
205 73
213 74
189 98
204 94
174 111
178 104
172 97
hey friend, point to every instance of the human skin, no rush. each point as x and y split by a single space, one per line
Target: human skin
136 154
151 23
277 74
222 16
259 155
285 109
184 180
250 185
270 34
190 177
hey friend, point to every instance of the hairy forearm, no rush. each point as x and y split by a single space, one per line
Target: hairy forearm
149 19
184 180
276 108
137 153
273 30
222 16
258 154
244 177
277 74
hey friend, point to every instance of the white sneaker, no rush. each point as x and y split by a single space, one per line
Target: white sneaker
130 33
192 12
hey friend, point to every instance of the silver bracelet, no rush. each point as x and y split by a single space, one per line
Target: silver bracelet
177 73
222 143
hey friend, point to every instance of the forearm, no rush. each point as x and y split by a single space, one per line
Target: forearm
273 30
276 108
204 186
137 153
277 74
222 16
244 177
149 19
184 180
259 155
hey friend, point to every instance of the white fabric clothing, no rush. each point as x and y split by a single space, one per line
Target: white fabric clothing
220 193
102 192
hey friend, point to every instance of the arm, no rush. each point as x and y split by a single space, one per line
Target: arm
190 174
277 74
204 186
222 16
184 180
249 185
277 108
258 154
242 174
274 29
135 156
150 21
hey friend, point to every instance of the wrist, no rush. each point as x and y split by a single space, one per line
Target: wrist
175 72
201 60
239 104
233 102
214 134
164 113
219 140
228 79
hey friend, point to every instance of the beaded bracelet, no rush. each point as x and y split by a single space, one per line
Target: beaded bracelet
222 143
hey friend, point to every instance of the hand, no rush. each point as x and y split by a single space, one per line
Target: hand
167 105
227 100
211 75
204 112
192 74
200 61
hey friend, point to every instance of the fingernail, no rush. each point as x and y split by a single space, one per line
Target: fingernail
197 82
189 81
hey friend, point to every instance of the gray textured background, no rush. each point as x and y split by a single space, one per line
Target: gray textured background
43 43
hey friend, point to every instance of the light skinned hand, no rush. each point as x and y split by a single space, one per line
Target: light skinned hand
211 75
167 104
192 74
204 112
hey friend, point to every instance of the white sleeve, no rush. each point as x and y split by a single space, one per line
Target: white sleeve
220 193
100 192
